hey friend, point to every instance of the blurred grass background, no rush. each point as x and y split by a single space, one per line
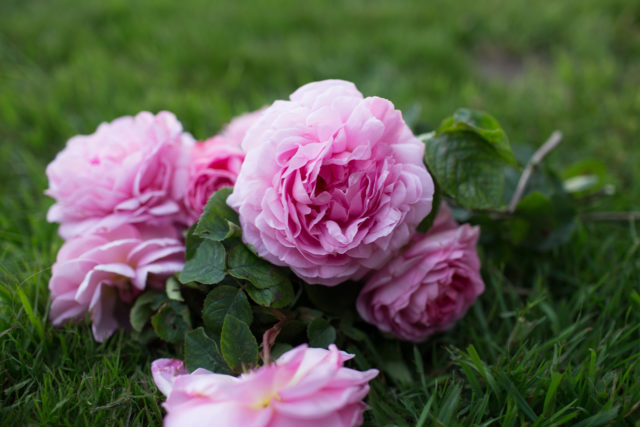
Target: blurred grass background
66 66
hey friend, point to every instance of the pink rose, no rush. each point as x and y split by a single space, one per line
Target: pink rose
332 184
215 163
235 131
103 273
304 387
429 286
131 170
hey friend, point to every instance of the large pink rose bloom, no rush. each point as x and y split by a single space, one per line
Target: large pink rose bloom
429 286
305 387
215 163
131 170
235 131
103 273
332 183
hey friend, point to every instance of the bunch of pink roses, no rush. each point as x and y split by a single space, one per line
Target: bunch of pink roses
123 197
328 183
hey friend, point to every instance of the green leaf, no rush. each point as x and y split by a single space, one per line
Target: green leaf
200 351
279 349
485 126
353 333
207 265
218 221
466 168
225 300
534 204
239 346
192 242
143 308
243 264
292 331
320 333
392 361
466 156
270 285
171 322
173 290
346 327
278 296
264 315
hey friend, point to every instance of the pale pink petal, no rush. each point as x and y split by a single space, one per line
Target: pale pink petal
205 414
65 308
103 305
164 373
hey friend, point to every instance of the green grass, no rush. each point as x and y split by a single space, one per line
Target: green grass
555 339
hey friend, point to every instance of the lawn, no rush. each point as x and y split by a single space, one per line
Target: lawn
555 339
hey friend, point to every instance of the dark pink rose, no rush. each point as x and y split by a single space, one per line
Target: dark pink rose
333 183
429 286
131 170
103 273
215 163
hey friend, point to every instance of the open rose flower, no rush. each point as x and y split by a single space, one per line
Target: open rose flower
235 131
131 170
103 273
304 387
332 183
429 286
215 163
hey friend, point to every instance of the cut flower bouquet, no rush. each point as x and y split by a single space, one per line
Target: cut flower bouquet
257 251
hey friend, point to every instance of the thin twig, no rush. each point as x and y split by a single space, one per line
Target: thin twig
611 216
269 338
537 157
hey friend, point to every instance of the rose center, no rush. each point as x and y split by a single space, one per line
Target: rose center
266 401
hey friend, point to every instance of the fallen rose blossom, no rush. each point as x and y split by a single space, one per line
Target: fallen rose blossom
131 170
215 163
304 387
103 273
429 286
333 183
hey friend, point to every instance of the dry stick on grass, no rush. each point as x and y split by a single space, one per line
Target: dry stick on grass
537 157
269 339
